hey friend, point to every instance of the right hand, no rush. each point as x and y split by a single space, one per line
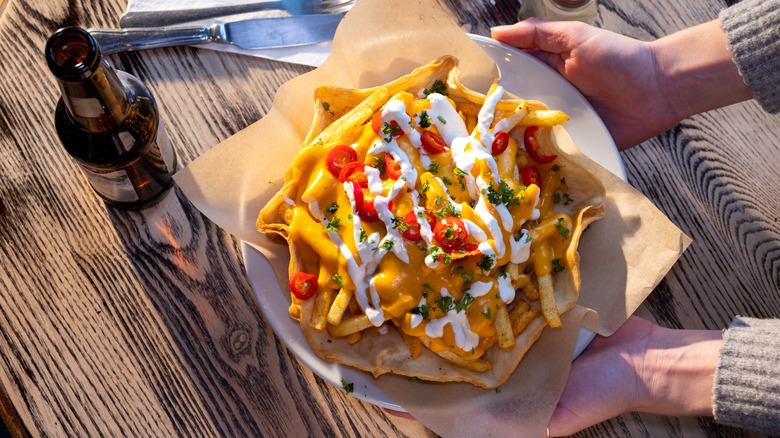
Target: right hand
620 76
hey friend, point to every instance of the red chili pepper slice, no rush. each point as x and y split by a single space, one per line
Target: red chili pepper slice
413 231
355 172
392 167
303 285
500 142
450 233
433 143
368 212
531 145
357 193
338 157
530 175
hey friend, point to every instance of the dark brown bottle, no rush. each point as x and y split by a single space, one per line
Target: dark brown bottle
108 122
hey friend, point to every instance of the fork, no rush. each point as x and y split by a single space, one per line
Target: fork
294 7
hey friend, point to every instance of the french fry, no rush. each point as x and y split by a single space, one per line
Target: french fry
295 312
353 307
414 344
319 317
348 326
521 316
354 337
517 115
339 306
545 118
479 365
530 291
547 298
506 338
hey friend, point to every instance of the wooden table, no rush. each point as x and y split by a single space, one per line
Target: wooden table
117 323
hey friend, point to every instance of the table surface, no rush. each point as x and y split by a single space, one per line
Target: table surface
143 323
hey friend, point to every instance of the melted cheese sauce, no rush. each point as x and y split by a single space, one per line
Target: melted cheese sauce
449 300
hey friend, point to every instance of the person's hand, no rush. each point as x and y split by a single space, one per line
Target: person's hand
641 367
640 89
617 74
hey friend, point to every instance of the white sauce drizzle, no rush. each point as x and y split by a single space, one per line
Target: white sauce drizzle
505 289
521 248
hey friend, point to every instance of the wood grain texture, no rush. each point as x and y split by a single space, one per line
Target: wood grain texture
117 323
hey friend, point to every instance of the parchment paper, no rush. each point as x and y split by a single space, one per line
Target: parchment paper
624 255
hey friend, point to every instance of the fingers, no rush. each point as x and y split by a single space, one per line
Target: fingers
549 36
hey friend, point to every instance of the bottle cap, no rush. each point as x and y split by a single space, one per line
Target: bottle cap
72 54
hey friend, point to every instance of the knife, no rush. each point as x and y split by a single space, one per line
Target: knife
260 33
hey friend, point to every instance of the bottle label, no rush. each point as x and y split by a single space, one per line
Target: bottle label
115 186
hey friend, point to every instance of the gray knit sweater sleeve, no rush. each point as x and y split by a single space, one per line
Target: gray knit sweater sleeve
753 35
747 381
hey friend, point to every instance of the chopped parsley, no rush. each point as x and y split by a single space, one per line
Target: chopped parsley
348 387
556 167
427 286
446 211
441 119
326 106
363 235
561 229
422 310
488 314
446 180
498 390
434 167
400 224
504 195
438 87
557 266
563 181
485 263
414 379
337 279
333 225
445 304
437 253
464 304
332 208
425 187
519 236
387 245
460 174
379 164
467 276
391 130
425 119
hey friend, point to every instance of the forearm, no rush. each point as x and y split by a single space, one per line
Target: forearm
697 70
678 372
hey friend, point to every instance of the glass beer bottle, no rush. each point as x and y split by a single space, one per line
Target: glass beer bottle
109 123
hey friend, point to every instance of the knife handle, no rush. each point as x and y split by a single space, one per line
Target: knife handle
121 40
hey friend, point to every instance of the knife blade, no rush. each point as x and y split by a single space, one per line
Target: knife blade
260 33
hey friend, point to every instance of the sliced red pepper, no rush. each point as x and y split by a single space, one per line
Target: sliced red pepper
368 212
355 172
392 167
338 157
357 193
531 146
433 143
412 232
303 285
450 233
530 175
500 142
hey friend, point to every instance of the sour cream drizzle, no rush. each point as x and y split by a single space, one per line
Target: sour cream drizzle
465 149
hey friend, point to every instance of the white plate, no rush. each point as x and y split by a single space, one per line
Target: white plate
522 75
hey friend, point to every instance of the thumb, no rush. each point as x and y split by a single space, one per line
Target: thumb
548 36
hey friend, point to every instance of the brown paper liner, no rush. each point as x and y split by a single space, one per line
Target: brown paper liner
624 255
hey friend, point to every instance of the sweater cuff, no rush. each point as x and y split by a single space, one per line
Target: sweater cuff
747 382
753 36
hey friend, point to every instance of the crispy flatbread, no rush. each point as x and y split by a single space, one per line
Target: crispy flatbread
299 214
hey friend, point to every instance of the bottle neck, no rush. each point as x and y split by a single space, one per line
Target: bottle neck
91 90
571 4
